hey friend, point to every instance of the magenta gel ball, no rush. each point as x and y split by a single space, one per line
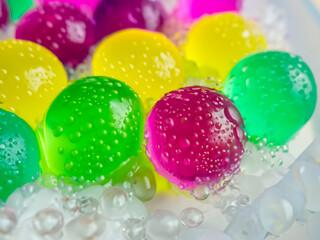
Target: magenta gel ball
60 27
195 137
189 10
114 15
4 13
86 6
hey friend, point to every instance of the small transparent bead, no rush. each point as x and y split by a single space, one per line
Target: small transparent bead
88 204
48 222
86 226
191 217
8 221
201 192
29 189
163 225
70 205
133 229
113 203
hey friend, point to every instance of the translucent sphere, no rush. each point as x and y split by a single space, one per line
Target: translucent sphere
191 217
308 175
48 222
313 229
86 226
113 203
133 229
8 221
70 205
276 212
88 204
163 225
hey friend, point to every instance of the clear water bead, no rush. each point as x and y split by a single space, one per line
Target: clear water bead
88 204
191 217
113 203
163 225
48 222
8 221
201 192
313 229
133 229
86 226
276 212
70 205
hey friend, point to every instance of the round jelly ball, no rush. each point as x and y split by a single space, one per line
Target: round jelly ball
60 27
86 6
91 128
19 7
231 37
4 14
115 15
19 153
30 78
275 93
189 10
147 61
195 137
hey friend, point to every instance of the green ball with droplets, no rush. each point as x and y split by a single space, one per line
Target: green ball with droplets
91 129
275 93
19 154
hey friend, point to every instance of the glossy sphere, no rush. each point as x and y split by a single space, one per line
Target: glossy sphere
60 27
19 7
147 61
47 222
30 78
19 153
4 14
194 137
91 128
115 15
189 10
231 38
275 93
86 6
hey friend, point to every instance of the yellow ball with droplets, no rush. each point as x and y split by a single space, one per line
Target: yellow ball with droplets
30 78
219 41
147 61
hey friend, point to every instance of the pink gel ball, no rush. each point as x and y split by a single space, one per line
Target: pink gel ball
60 27
195 137
86 6
189 10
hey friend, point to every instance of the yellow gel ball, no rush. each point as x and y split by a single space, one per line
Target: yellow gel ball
30 78
219 41
146 61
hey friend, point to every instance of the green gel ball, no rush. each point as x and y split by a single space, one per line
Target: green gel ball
275 93
19 7
19 154
91 129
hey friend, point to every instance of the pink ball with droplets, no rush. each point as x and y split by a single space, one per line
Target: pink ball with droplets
189 10
195 137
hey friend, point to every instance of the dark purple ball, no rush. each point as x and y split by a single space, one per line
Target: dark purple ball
4 13
60 27
115 15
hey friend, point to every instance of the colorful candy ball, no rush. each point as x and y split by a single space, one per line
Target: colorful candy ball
19 154
91 128
231 37
147 61
275 93
60 27
115 15
4 14
30 78
189 10
195 137
86 6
